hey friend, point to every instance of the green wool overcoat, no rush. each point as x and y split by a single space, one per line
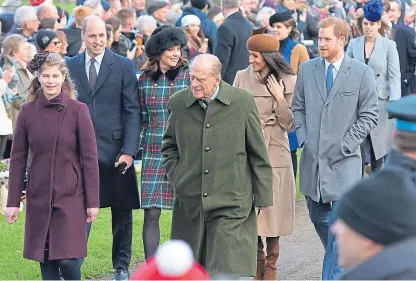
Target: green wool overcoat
218 164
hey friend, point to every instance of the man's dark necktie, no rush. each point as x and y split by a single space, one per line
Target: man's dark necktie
92 74
329 78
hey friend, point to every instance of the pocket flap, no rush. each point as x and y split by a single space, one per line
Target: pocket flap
118 134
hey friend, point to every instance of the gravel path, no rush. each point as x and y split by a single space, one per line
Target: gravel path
301 254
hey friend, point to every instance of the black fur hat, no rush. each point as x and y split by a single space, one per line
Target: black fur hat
163 38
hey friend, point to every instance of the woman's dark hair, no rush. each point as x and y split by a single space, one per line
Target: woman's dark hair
277 64
294 33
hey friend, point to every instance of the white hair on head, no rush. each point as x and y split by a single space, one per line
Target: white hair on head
45 7
208 60
145 22
24 14
263 13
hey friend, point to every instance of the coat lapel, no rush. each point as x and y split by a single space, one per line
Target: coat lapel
319 73
82 74
375 53
343 73
360 53
105 69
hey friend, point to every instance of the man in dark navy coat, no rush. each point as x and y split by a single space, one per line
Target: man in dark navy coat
107 83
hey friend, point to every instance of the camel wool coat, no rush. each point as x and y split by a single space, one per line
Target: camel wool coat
63 178
276 121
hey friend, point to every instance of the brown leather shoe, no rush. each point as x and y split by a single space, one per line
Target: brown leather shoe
270 272
260 259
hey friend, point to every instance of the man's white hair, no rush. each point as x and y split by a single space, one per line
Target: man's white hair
24 14
265 12
145 22
46 7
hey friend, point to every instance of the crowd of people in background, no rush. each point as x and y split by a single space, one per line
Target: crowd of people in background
216 99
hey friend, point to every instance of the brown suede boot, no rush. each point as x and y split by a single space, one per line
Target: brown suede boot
260 259
270 272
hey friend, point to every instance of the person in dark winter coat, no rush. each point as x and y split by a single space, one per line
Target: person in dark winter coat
232 37
208 26
107 83
164 73
63 186
376 229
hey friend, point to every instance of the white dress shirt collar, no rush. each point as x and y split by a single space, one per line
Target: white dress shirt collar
98 58
336 64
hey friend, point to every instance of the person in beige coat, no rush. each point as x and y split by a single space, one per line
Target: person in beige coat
272 81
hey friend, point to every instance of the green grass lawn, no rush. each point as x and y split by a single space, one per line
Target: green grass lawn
14 267
66 6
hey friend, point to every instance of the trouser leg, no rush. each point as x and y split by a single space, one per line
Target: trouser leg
70 269
260 259
272 251
122 226
49 269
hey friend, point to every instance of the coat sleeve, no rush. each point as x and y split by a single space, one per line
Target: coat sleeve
236 82
89 157
258 158
299 55
18 161
393 68
170 152
224 46
298 109
212 36
131 108
367 114
350 49
284 114
144 114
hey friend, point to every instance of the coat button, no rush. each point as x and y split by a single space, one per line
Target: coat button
154 111
205 194
206 172
208 125
155 85
153 97
59 108
207 149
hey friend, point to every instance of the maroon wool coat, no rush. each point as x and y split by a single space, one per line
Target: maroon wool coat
63 177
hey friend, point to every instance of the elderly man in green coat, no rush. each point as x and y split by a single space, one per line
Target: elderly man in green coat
216 160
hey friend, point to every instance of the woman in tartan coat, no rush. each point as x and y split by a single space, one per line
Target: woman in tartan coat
164 73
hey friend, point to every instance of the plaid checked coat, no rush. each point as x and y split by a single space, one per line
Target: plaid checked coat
155 88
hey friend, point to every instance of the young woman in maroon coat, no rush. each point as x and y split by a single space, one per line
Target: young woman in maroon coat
63 185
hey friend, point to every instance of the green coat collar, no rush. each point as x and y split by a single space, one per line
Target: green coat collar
224 95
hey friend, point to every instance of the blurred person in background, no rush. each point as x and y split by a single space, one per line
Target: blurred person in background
126 3
116 24
16 56
263 16
114 9
47 11
63 18
380 53
73 34
215 14
6 128
109 30
63 41
145 25
127 41
139 6
198 8
164 73
26 23
47 41
159 9
197 43
231 41
96 6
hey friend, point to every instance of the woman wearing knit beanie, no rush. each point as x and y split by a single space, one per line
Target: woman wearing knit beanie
272 82
380 53
197 43
164 73
285 30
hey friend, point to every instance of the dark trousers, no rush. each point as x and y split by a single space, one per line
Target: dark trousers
323 215
122 226
69 268
376 164
3 142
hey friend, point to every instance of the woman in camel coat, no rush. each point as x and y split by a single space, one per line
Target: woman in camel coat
271 80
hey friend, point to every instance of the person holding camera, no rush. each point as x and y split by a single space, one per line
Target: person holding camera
107 83
127 40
